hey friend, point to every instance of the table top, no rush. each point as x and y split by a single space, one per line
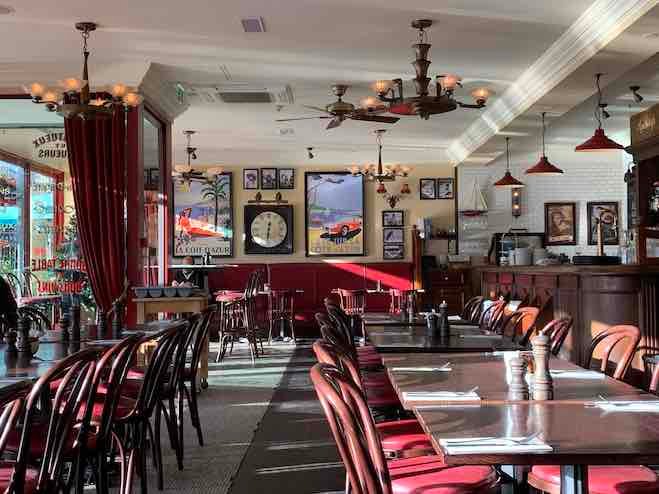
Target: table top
572 384
386 318
201 267
37 299
578 434
407 339
195 298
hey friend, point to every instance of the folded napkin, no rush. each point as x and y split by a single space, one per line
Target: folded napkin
440 396
454 318
629 406
421 369
471 445
576 374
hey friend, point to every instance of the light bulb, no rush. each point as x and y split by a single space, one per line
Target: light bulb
450 81
370 102
406 170
381 87
36 89
50 97
133 99
72 84
97 102
354 169
119 90
481 95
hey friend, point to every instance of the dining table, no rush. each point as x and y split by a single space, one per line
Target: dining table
389 319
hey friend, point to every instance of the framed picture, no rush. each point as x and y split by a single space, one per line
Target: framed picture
334 214
445 188
250 178
560 223
154 177
286 178
393 236
608 212
203 217
427 188
393 218
393 251
268 178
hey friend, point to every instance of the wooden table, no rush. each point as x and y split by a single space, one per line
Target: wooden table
579 435
489 373
407 339
177 305
388 319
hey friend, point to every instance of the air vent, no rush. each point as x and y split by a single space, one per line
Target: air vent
245 97
236 93
253 25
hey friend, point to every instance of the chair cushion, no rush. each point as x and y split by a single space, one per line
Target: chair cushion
30 478
402 435
429 475
623 479
381 397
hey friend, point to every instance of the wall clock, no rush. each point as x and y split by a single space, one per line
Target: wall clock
268 229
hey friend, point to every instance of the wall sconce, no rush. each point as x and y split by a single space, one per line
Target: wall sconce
516 202
393 199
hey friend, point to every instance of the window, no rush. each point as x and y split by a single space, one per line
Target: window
12 199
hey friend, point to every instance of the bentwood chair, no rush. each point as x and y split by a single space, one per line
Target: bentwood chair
524 324
353 303
11 406
358 442
472 309
624 337
492 316
557 331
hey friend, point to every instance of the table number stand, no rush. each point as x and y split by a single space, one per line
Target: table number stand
543 386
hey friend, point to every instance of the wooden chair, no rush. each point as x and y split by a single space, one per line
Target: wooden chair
11 404
281 309
472 309
557 331
525 324
353 303
492 316
628 337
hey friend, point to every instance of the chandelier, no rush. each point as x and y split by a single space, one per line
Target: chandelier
75 98
424 104
185 174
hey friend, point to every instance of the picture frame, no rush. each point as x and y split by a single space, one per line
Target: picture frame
286 178
334 207
251 179
392 252
611 233
203 217
427 189
269 179
444 188
560 223
393 218
393 236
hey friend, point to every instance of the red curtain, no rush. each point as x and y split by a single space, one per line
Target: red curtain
97 161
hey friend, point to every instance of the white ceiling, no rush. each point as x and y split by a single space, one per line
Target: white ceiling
309 44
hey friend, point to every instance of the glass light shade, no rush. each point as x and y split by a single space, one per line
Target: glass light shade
405 189
133 99
450 81
406 170
119 90
370 102
97 102
381 189
481 95
354 169
367 168
215 170
50 97
599 142
36 89
71 84
382 87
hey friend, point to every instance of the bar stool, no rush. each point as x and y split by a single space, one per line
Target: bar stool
281 309
353 303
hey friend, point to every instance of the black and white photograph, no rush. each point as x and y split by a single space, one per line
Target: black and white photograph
393 218
268 178
286 178
427 189
250 178
393 251
393 235
444 188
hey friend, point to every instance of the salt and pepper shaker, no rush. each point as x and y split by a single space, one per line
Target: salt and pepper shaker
23 331
543 386
444 329
411 310
432 320
518 388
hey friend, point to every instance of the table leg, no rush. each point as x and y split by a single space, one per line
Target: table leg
203 364
574 479
282 325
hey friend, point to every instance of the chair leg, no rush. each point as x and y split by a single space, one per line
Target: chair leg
291 323
157 446
194 411
141 453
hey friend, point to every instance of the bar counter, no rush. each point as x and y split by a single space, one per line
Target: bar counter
595 296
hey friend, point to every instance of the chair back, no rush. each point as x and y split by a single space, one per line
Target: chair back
353 429
472 309
198 336
15 284
342 323
29 281
627 336
334 334
557 330
525 324
281 303
492 316
353 302
326 353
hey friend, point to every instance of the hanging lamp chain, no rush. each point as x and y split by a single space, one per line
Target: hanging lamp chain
508 154
544 154
598 108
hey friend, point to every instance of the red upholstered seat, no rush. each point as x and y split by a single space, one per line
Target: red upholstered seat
6 470
624 479
428 475
228 296
403 435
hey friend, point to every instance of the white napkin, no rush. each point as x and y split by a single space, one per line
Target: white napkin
421 369
629 406
576 374
455 318
470 445
440 396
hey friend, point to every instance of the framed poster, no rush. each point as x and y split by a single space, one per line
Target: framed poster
334 214
393 236
560 223
286 178
393 218
203 217
427 188
268 178
250 178
392 252
608 212
445 188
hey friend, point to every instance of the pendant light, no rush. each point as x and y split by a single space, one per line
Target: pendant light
599 141
508 181
543 167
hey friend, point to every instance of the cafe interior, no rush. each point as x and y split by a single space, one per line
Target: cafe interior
329 247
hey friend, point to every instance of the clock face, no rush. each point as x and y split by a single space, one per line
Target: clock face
268 229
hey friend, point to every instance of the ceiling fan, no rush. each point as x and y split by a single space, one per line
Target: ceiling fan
341 110
187 174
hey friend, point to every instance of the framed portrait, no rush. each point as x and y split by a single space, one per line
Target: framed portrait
427 188
445 188
393 218
392 252
250 178
334 214
393 236
286 178
268 178
560 223
203 217
608 213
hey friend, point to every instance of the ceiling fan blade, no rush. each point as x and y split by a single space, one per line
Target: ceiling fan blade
300 118
317 108
335 122
374 118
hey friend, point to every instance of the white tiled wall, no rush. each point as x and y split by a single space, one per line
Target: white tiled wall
587 177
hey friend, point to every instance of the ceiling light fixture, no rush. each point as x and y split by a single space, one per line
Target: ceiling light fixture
543 167
310 154
424 104
76 98
637 97
508 181
185 174
599 141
